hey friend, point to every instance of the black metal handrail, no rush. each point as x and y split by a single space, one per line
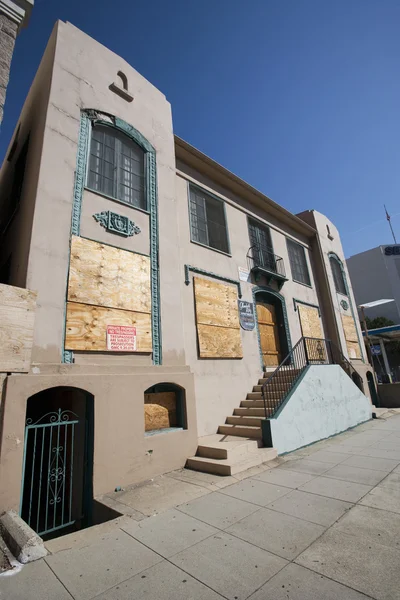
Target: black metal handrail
259 257
308 351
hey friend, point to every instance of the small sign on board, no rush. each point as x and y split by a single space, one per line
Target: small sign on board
246 315
121 338
244 274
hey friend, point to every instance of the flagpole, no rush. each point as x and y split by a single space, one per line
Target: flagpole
390 224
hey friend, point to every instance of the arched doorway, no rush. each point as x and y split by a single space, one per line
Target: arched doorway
57 478
273 331
372 389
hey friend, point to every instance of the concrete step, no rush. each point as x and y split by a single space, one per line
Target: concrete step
221 446
244 420
278 385
251 411
254 403
229 466
282 374
274 395
241 431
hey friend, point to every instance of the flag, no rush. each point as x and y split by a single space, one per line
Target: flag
387 214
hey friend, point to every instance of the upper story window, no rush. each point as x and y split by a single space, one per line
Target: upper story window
338 278
117 166
298 262
207 220
261 245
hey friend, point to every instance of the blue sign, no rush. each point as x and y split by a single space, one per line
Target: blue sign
376 349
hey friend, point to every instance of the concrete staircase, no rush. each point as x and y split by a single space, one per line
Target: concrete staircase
238 444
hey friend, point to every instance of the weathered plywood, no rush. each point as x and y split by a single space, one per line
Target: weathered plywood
350 333
216 303
17 318
160 410
219 342
266 313
86 327
269 335
106 276
310 321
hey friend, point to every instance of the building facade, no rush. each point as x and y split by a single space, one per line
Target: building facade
14 14
165 284
375 275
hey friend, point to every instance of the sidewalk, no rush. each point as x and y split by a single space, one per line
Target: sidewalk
322 525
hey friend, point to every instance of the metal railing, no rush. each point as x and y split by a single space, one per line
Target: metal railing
258 257
308 351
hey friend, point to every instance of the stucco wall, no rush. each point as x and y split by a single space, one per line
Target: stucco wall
324 403
121 450
221 384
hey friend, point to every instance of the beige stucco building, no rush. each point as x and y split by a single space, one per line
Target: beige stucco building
139 248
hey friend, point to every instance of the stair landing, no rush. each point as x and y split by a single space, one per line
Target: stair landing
227 455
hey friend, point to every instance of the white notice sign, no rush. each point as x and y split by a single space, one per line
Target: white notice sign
244 274
121 338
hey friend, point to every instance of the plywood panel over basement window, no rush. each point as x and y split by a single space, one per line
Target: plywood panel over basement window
217 318
350 333
86 326
106 276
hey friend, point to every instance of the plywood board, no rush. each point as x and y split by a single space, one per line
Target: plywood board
310 321
86 327
266 313
17 318
106 276
350 332
216 303
219 342
353 348
160 410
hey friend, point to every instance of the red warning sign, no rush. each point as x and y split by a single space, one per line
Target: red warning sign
121 338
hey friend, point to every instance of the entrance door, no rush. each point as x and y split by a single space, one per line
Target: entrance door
269 334
57 461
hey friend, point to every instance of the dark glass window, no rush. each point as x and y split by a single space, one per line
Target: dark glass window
117 166
338 276
261 245
298 262
207 220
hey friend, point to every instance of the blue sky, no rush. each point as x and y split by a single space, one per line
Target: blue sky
300 98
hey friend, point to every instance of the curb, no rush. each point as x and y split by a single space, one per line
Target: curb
23 542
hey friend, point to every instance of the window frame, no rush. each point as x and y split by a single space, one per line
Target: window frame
336 260
122 133
256 222
309 283
191 185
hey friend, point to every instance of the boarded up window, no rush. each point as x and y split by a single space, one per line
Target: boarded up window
17 318
311 328
160 411
107 286
217 318
350 333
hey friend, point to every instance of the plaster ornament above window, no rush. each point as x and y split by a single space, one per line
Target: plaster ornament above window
115 223
120 87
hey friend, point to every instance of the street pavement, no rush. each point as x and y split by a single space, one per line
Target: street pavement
322 523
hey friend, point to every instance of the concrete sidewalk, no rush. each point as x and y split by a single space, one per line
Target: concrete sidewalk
324 524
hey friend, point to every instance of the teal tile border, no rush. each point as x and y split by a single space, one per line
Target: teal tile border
189 268
267 290
88 116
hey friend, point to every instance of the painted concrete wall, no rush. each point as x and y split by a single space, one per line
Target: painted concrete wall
221 384
123 454
324 403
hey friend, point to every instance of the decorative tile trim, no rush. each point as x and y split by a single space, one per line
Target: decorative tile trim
296 302
189 268
272 292
88 116
360 343
115 223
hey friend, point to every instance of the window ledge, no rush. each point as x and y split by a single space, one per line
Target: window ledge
211 248
143 210
308 285
159 431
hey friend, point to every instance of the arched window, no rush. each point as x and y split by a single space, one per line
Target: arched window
117 166
338 278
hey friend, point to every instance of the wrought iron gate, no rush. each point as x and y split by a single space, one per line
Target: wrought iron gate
48 471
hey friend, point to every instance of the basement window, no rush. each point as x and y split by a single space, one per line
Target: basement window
164 408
